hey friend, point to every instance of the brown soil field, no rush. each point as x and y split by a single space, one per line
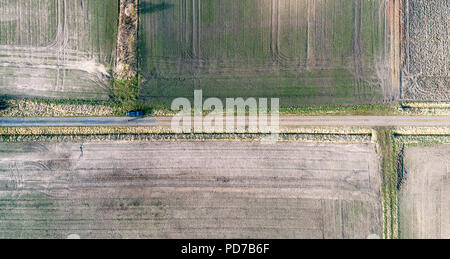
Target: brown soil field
425 193
189 189
426 47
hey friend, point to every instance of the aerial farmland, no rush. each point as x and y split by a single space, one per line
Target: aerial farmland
92 94
305 52
426 71
57 48
210 189
424 199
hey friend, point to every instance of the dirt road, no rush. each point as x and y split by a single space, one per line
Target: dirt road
375 121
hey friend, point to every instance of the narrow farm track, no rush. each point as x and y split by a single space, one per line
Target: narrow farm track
285 121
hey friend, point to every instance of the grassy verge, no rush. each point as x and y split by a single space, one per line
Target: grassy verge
355 110
424 105
389 186
127 83
392 144
65 134
56 108
104 130
126 63
331 110
126 94
400 144
126 97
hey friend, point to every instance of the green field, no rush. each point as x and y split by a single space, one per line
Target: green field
18 16
60 49
304 52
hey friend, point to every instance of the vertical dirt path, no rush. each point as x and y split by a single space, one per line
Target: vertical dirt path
126 66
394 16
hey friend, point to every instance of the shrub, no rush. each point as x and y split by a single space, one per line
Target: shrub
126 93
3 103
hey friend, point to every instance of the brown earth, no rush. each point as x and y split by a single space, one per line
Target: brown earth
184 189
425 70
126 65
425 194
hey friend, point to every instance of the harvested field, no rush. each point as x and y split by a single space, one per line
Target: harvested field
303 51
57 48
186 189
425 193
426 72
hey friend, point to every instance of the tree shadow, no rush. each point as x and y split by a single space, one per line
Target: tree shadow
146 8
3 103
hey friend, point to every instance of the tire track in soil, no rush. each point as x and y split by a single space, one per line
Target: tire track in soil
243 195
56 55
310 30
230 68
393 19
357 45
275 32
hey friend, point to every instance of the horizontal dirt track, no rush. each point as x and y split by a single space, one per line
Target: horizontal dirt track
285 121
212 189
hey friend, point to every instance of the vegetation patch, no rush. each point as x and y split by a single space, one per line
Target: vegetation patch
392 144
126 66
353 110
390 181
428 153
126 93
56 108
126 85
3 104
349 133
142 135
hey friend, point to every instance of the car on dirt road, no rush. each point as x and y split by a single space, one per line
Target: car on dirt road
135 114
